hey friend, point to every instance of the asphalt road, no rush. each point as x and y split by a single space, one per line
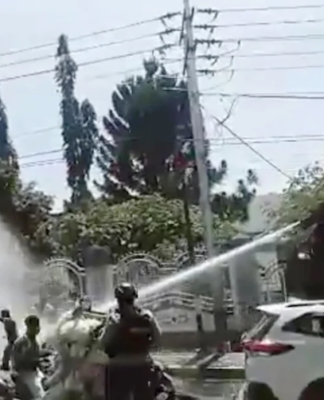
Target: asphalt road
212 390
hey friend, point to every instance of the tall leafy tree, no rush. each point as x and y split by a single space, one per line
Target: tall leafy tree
9 170
148 147
302 200
23 207
79 129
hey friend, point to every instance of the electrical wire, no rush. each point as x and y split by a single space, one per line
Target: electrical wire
248 145
269 8
36 131
270 68
280 96
42 163
107 59
83 49
232 55
267 96
87 35
283 38
103 45
260 23
214 143
41 153
87 63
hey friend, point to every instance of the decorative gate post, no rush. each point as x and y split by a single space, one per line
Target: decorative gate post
96 261
57 282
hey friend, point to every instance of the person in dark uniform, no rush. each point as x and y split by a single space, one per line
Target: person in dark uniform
127 340
10 328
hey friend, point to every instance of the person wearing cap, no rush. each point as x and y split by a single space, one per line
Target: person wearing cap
127 339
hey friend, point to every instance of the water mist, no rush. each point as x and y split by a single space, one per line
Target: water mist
14 266
214 262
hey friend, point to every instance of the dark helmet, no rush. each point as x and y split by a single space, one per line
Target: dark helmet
5 313
126 292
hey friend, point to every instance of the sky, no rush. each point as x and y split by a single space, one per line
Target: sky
293 127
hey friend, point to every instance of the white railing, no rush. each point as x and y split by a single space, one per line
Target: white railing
188 300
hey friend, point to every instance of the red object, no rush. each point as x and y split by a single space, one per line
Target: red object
180 161
266 347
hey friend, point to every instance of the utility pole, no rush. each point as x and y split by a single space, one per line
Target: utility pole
200 152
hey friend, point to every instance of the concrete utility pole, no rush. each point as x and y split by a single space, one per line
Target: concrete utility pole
200 151
198 128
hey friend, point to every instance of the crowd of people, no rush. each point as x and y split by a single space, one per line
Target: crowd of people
128 335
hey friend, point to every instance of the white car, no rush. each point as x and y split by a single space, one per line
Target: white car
284 352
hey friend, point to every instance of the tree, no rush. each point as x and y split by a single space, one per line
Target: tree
22 206
148 147
302 201
302 196
9 169
141 224
32 209
79 129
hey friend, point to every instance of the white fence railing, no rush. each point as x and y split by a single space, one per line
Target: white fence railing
183 299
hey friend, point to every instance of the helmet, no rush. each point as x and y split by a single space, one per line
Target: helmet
126 292
5 313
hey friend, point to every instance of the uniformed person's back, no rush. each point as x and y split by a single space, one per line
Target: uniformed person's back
129 335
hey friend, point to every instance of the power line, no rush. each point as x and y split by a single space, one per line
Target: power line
88 48
215 143
91 34
232 54
260 155
315 36
57 161
288 96
102 45
41 163
267 96
36 131
270 8
266 142
260 69
260 23
106 59
41 153
84 64
95 61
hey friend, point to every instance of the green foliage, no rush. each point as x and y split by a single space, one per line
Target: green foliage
142 224
148 146
79 129
303 195
22 206
32 209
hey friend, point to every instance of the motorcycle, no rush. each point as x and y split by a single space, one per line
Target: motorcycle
75 343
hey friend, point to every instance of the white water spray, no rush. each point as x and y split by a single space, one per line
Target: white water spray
195 270
15 262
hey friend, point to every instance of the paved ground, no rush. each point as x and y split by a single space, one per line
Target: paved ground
230 360
213 390
174 358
